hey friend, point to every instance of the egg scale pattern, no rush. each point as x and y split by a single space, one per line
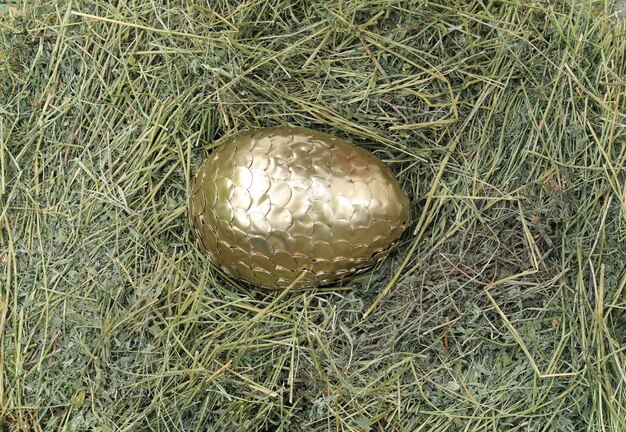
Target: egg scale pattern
272 203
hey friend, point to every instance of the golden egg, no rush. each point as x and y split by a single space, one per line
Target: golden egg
276 205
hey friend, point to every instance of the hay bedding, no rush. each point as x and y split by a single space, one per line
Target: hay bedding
503 308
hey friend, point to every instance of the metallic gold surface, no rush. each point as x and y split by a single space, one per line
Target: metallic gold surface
272 203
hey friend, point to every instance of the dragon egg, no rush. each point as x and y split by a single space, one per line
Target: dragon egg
276 205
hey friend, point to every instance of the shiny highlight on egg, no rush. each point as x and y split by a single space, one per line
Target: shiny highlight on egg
292 207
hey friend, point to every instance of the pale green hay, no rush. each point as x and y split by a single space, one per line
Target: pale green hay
503 309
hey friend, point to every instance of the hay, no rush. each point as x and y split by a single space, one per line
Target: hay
503 309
